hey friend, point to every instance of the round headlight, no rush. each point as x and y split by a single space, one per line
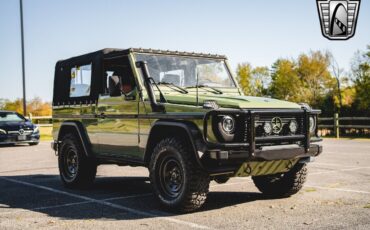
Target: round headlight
312 124
267 128
228 124
293 126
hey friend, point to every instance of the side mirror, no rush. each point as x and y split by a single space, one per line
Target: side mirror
114 86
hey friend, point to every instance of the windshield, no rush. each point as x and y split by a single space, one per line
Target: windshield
6 117
187 71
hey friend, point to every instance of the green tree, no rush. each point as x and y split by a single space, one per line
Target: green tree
253 81
361 72
244 75
260 81
317 82
286 83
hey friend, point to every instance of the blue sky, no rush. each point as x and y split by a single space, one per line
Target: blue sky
258 32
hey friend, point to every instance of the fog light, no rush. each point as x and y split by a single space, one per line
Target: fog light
267 128
293 126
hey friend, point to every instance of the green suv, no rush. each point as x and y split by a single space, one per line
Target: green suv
183 116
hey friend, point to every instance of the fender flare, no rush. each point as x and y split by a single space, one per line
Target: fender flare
190 129
81 133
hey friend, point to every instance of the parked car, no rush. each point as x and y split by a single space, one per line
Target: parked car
14 129
183 116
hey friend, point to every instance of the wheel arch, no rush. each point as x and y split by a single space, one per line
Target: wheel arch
170 128
78 129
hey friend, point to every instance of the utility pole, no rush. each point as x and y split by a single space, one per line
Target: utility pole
23 68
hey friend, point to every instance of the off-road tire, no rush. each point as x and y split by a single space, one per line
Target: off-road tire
282 184
86 167
195 181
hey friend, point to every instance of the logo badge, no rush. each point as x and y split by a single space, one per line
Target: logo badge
338 18
277 125
21 131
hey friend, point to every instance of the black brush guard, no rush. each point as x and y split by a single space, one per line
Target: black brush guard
275 152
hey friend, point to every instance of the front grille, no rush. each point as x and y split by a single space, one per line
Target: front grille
284 131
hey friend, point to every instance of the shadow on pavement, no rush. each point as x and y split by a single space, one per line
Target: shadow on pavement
15 195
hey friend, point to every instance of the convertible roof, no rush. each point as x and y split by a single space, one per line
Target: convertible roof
107 52
63 68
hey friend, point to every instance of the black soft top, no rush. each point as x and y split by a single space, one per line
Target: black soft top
63 68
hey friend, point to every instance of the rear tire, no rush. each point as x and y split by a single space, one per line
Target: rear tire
75 168
177 179
282 184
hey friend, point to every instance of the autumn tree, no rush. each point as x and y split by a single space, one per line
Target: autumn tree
253 81
286 83
35 106
361 72
313 71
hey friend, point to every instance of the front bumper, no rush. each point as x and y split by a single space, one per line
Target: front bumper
14 139
254 147
269 153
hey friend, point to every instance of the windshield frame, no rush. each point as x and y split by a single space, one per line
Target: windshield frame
220 59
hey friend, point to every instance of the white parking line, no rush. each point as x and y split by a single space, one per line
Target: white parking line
329 164
340 170
112 205
25 170
338 189
76 203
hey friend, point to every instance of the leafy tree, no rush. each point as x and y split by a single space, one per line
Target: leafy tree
286 83
260 81
244 75
35 106
317 82
361 72
254 81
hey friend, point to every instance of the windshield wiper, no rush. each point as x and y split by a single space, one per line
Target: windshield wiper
214 90
176 88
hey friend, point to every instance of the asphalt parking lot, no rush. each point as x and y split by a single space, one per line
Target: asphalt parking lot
336 195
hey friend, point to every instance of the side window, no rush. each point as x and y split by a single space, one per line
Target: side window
124 76
80 81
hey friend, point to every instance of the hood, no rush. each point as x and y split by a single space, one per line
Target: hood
15 126
233 101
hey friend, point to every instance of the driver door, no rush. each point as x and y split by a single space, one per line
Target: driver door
118 127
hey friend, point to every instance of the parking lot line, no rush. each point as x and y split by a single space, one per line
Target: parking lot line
339 170
25 170
106 203
78 203
338 189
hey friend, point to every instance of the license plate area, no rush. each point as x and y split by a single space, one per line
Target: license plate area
22 138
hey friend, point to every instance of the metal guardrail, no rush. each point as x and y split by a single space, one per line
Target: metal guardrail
42 121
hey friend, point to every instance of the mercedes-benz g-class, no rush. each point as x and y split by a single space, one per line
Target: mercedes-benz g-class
183 116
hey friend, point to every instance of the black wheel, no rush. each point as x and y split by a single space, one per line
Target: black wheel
76 170
282 184
177 180
33 143
221 179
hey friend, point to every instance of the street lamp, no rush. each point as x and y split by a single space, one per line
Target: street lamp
23 69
